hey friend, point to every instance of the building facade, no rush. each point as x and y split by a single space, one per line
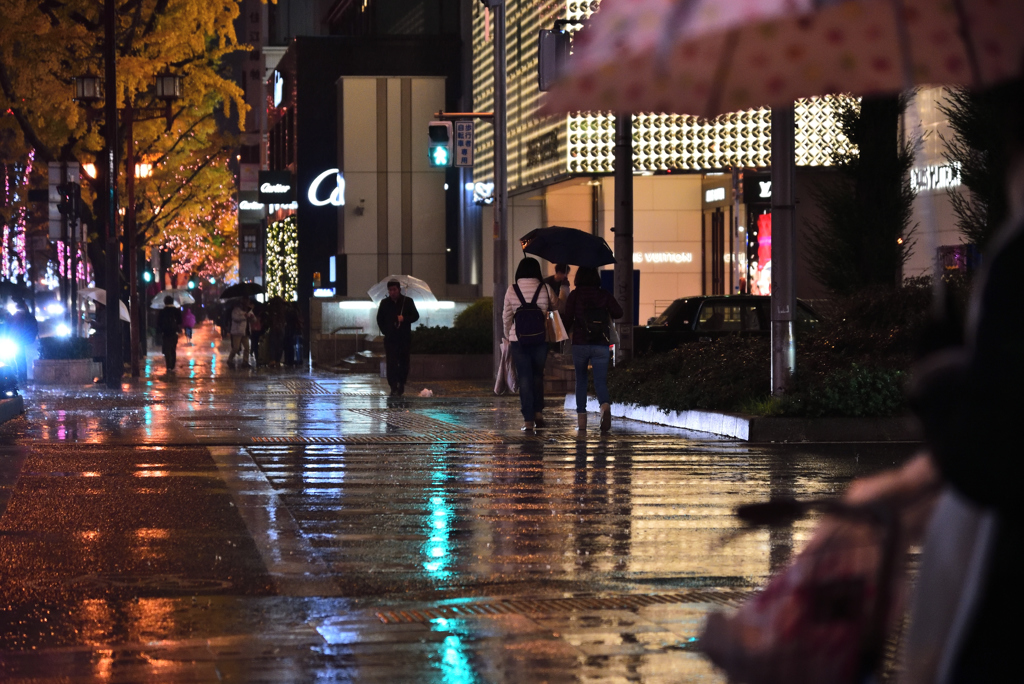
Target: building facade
702 189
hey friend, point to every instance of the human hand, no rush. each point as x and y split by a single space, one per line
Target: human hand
400 318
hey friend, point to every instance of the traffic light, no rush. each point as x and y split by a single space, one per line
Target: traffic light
70 199
147 275
439 134
192 284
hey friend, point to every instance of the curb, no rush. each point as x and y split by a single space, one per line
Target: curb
762 429
11 408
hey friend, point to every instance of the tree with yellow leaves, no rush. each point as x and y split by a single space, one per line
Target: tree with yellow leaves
44 45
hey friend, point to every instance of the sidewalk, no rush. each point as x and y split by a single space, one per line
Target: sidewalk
293 526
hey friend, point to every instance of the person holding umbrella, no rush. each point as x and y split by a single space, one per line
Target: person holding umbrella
241 316
588 314
169 325
395 317
527 303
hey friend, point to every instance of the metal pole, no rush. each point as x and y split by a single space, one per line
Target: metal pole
624 233
500 180
134 310
112 366
783 247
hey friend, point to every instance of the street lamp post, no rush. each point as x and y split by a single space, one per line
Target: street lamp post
113 366
168 89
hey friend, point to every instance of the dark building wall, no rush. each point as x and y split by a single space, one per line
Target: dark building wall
313 65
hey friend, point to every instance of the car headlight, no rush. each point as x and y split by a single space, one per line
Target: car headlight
8 349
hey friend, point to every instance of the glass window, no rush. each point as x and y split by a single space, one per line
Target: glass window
720 317
805 318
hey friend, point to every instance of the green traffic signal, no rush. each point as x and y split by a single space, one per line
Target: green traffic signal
439 156
439 137
147 276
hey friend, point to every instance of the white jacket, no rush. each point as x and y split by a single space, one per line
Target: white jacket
240 321
527 286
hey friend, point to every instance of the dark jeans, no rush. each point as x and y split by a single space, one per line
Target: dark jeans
530 360
598 356
397 356
170 349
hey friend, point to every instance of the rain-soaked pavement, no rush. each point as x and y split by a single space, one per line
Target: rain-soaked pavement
292 526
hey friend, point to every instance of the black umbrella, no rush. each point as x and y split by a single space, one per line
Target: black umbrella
567 246
242 290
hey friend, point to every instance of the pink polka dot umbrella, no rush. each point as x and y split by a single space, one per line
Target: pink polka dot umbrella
706 57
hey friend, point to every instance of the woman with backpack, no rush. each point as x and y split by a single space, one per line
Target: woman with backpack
527 303
588 315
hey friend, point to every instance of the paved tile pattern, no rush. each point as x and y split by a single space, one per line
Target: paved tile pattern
291 525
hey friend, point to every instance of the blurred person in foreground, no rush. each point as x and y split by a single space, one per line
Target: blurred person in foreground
527 303
966 597
395 317
589 312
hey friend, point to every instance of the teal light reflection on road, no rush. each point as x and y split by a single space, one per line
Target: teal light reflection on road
438 521
454 662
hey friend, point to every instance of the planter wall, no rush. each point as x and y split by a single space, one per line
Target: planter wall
63 372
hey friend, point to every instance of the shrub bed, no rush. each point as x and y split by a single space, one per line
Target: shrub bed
471 333
855 364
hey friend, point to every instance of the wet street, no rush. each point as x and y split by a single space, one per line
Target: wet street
283 525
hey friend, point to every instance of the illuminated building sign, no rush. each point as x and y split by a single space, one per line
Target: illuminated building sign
714 195
935 177
278 88
321 193
662 257
276 187
246 205
483 193
757 188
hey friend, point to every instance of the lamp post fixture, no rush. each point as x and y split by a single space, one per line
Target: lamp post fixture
87 89
168 89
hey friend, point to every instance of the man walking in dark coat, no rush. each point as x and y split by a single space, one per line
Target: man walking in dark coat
169 324
395 317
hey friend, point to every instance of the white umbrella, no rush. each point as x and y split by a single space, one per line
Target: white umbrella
414 288
98 295
181 298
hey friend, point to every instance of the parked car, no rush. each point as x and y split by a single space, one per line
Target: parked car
704 318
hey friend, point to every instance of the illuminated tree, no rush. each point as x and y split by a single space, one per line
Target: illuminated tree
283 259
44 45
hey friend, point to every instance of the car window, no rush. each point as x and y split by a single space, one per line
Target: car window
716 317
805 318
751 317
669 315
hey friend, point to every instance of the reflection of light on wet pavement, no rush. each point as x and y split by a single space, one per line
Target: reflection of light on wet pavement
410 506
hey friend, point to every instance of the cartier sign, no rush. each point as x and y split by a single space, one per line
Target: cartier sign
276 187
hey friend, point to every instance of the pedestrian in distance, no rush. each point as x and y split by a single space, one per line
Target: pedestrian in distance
589 313
188 322
559 284
395 317
241 316
527 303
255 332
169 325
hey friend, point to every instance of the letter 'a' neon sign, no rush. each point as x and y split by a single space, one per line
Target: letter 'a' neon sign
336 197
